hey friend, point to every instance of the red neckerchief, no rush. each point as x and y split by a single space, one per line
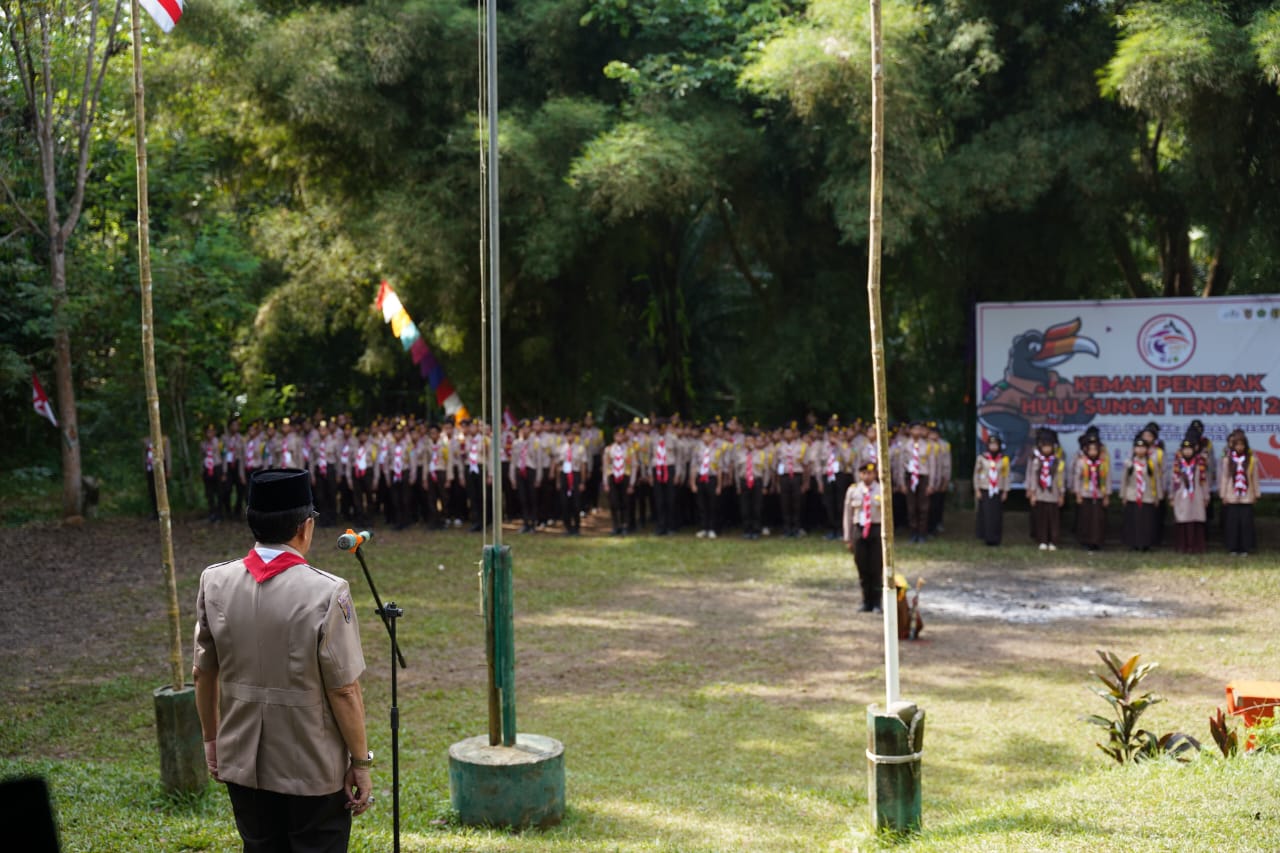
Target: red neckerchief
264 571
1093 465
1241 480
1046 470
1188 467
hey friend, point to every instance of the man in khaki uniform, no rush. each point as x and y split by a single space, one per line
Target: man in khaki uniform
277 658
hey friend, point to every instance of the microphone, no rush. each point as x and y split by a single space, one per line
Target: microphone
351 540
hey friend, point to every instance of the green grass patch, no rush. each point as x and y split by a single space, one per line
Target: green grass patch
712 697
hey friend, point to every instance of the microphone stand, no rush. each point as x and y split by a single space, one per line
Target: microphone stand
389 613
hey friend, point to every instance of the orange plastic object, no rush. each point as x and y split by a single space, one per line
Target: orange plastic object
1253 700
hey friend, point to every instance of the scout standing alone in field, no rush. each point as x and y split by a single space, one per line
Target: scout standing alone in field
862 534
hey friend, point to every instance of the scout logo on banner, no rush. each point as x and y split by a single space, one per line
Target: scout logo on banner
411 339
1123 363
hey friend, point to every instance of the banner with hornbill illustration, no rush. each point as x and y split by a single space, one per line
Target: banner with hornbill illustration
1122 364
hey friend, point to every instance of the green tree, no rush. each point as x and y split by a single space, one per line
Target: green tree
60 55
1199 78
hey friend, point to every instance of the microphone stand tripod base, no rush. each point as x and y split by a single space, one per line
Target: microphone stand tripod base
516 786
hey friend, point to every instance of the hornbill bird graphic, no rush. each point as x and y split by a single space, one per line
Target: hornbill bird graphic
1029 375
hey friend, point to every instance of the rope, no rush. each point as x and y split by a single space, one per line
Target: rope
911 739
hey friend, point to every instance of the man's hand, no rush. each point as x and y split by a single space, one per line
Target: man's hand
211 758
359 789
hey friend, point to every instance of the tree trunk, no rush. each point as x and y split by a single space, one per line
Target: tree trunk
67 423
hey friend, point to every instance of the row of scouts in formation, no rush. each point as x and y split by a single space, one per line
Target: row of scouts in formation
555 472
1153 482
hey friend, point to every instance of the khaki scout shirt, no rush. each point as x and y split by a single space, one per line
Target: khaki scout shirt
277 646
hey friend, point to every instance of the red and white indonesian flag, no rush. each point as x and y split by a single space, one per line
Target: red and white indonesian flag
40 401
164 12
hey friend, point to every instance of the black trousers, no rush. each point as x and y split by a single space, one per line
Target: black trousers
364 501
833 492
528 496
232 482
213 493
619 503
437 499
918 506
707 503
664 499
1046 522
290 823
326 496
570 502
750 500
789 490
547 500
1239 532
475 496
869 559
990 518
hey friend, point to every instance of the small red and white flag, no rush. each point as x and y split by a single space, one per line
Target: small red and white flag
164 12
40 400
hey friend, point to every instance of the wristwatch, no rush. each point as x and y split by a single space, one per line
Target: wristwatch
362 762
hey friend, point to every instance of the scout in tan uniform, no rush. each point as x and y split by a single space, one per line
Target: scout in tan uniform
572 465
1190 497
233 468
1091 482
991 490
920 476
212 471
277 658
1239 489
1046 492
437 477
526 475
704 482
791 479
661 473
621 470
751 471
862 514
1140 492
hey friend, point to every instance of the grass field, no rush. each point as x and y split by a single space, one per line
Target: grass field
710 695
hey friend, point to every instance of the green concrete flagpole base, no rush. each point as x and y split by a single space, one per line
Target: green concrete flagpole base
182 767
895 741
513 786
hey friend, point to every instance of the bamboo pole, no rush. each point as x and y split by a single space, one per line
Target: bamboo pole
889 598
149 357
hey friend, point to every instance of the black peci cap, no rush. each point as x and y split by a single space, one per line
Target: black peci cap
279 489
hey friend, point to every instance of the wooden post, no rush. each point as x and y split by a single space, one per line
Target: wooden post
149 357
895 733
182 767
877 356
